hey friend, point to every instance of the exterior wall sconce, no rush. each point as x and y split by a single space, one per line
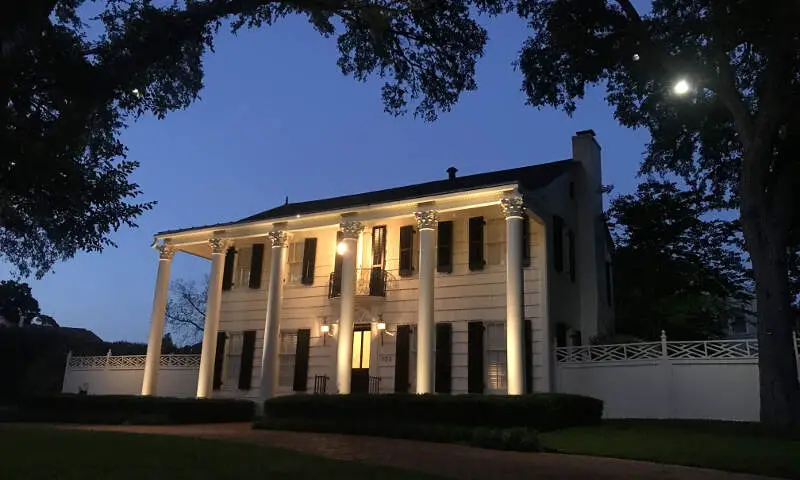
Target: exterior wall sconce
325 331
381 325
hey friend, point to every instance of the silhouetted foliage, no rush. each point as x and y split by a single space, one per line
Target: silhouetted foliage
17 302
733 136
70 83
692 266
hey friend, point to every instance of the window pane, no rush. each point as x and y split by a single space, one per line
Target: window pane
365 342
357 350
286 371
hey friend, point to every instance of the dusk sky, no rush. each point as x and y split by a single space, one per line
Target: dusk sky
277 118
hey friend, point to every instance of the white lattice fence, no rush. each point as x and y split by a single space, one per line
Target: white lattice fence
713 379
123 374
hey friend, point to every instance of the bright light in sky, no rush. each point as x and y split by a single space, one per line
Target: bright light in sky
681 87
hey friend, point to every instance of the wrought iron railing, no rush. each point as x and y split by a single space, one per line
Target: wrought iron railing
321 384
374 385
370 282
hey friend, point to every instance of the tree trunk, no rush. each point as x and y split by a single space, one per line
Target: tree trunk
777 365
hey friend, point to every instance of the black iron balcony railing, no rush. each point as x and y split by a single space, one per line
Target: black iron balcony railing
369 282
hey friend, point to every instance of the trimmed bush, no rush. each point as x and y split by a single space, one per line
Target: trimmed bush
517 439
541 412
129 409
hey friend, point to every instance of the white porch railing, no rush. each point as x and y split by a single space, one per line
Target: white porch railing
680 350
130 362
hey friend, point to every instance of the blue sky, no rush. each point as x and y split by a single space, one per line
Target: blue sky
278 118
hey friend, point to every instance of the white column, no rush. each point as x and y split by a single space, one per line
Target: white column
206 376
514 209
426 347
344 348
272 324
157 318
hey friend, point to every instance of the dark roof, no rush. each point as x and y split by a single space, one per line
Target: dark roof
530 178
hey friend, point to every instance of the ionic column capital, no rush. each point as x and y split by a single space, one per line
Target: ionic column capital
513 206
351 229
165 251
218 244
278 238
426 219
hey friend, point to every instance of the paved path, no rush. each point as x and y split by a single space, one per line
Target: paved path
452 461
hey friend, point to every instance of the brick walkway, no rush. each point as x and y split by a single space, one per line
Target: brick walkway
452 461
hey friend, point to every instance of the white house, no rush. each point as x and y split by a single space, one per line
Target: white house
457 285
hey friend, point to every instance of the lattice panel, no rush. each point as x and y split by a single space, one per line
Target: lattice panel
713 349
180 361
126 362
87 363
609 353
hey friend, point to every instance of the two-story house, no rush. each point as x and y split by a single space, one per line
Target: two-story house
458 285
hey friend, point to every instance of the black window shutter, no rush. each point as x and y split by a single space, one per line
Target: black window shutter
476 261
401 359
309 261
528 356
571 253
301 360
378 246
227 272
475 381
219 358
609 280
444 247
337 262
561 334
256 265
406 250
444 358
526 241
558 243
248 351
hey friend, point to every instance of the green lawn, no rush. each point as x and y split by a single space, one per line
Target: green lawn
737 448
42 453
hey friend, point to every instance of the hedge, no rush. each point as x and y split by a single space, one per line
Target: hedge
128 409
519 439
541 412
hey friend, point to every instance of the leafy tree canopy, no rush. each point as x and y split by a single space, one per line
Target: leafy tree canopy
698 282
66 95
732 135
17 302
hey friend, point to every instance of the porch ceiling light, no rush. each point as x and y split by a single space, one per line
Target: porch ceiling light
341 248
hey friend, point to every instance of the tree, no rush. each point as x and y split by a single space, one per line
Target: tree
699 281
732 135
17 302
67 93
186 309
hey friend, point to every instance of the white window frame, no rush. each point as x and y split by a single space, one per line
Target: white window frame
286 358
495 234
294 262
242 264
233 358
495 358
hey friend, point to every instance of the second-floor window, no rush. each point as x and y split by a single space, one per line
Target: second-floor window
496 241
295 261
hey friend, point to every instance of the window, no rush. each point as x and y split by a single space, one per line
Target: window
241 276
234 361
361 348
496 242
476 260
571 255
288 349
406 250
496 356
558 243
295 260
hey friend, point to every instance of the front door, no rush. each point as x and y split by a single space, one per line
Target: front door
362 336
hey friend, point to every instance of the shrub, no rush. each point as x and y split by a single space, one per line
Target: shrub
541 412
128 409
517 439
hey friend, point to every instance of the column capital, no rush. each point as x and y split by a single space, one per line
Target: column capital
513 206
218 244
165 251
426 219
351 229
278 238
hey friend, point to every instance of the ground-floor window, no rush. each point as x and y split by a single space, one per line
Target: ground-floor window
496 356
288 348
234 361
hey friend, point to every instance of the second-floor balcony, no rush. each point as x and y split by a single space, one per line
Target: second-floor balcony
369 282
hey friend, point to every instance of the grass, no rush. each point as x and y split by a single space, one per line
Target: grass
42 453
720 445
